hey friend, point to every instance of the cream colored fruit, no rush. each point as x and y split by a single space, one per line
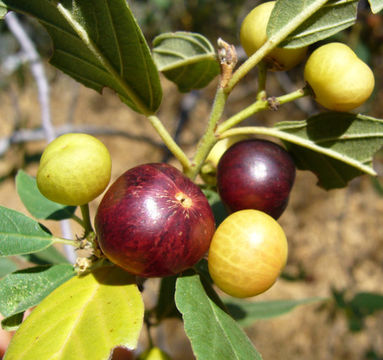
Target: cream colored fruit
247 253
339 79
221 146
154 353
253 36
209 169
74 169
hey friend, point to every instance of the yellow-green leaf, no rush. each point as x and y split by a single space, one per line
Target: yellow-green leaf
82 319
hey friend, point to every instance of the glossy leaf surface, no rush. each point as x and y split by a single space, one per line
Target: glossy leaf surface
99 44
85 317
209 328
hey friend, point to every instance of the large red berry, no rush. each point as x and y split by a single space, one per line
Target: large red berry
154 221
256 174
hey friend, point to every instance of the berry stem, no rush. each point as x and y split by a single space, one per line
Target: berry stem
170 143
63 241
86 219
262 75
259 105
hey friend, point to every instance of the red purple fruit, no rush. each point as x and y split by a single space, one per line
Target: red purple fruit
256 174
154 221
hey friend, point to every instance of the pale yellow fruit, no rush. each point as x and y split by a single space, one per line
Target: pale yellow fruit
247 253
209 169
339 79
221 146
154 353
74 169
253 36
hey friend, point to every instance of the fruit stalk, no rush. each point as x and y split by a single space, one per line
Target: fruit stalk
170 143
86 219
260 105
209 139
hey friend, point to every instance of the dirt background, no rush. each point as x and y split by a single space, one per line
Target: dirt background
335 237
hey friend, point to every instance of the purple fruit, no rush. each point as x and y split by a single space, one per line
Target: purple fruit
154 221
256 174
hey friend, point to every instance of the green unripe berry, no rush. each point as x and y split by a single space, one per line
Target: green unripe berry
74 169
339 79
253 36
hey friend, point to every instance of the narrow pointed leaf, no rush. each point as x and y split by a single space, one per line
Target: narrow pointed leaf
335 146
331 18
20 234
247 312
376 5
26 288
212 332
99 43
84 318
188 59
36 203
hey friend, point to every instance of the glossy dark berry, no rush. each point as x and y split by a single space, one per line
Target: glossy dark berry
153 221
256 174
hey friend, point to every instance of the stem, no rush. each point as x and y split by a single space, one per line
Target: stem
262 75
169 142
260 105
209 139
63 241
86 219
78 220
271 43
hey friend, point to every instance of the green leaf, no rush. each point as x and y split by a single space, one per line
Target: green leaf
376 5
99 43
6 266
49 256
331 18
26 288
188 59
20 234
219 210
367 303
84 318
208 327
36 203
247 312
336 146
12 323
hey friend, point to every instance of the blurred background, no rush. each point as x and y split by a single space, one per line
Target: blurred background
335 238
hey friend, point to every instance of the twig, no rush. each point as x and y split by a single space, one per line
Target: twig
37 70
